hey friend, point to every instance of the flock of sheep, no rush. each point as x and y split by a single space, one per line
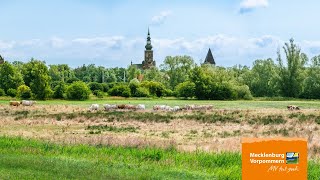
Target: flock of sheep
23 103
108 107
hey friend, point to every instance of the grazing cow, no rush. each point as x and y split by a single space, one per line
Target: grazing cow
14 103
108 107
140 107
121 106
28 103
130 107
94 107
292 108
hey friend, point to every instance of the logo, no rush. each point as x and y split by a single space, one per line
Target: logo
292 158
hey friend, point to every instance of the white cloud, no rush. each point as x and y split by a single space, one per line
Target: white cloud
120 50
159 19
249 5
108 42
4 45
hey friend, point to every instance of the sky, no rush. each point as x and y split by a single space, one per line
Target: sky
113 33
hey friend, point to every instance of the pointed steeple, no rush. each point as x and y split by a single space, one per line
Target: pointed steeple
209 59
1 60
148 46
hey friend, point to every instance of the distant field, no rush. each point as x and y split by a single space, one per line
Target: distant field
31 159
254 104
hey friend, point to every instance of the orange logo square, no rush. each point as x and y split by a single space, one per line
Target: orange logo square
274 158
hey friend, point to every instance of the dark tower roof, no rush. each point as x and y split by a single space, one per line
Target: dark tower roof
1 60
209 59
148 46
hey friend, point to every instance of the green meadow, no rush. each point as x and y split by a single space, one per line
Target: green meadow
33 159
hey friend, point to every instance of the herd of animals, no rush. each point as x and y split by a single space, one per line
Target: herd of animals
108 107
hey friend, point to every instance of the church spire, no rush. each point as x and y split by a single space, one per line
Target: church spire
148 46
209 59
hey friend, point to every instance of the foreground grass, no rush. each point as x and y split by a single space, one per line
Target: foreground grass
31 159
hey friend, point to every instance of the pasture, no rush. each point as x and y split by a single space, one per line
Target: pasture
151 144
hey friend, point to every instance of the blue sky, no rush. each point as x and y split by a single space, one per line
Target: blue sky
113 33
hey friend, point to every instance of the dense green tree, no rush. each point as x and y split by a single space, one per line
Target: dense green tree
185 89
60 90
134 85
24 92
60 72
78 91
311 84
156 89
291 74
262 79
2 93
133 72
10 77
120 90
96 86
36 76
178 69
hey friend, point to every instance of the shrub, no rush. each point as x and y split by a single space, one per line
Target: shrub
155 88
185 89
2 93
134 85
105 87
24 92
12 92
98 93
95 86
59 90
142 92
78 91
120 90
243 92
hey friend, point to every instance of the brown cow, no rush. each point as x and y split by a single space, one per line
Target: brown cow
15 103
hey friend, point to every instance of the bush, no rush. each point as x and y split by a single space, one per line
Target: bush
98 93
155 88
243 92
24 92
105 87
2 93
185 89
60 90
12 92
168 93
120 90
134 85
95 86
78 91
142 92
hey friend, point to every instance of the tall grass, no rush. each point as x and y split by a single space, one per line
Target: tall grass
32 159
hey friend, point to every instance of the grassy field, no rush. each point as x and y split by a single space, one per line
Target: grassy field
68 142
32 159
149 102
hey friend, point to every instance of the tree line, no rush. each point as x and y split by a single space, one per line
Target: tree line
292 75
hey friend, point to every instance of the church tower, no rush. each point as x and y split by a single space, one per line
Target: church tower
148 54
209 59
